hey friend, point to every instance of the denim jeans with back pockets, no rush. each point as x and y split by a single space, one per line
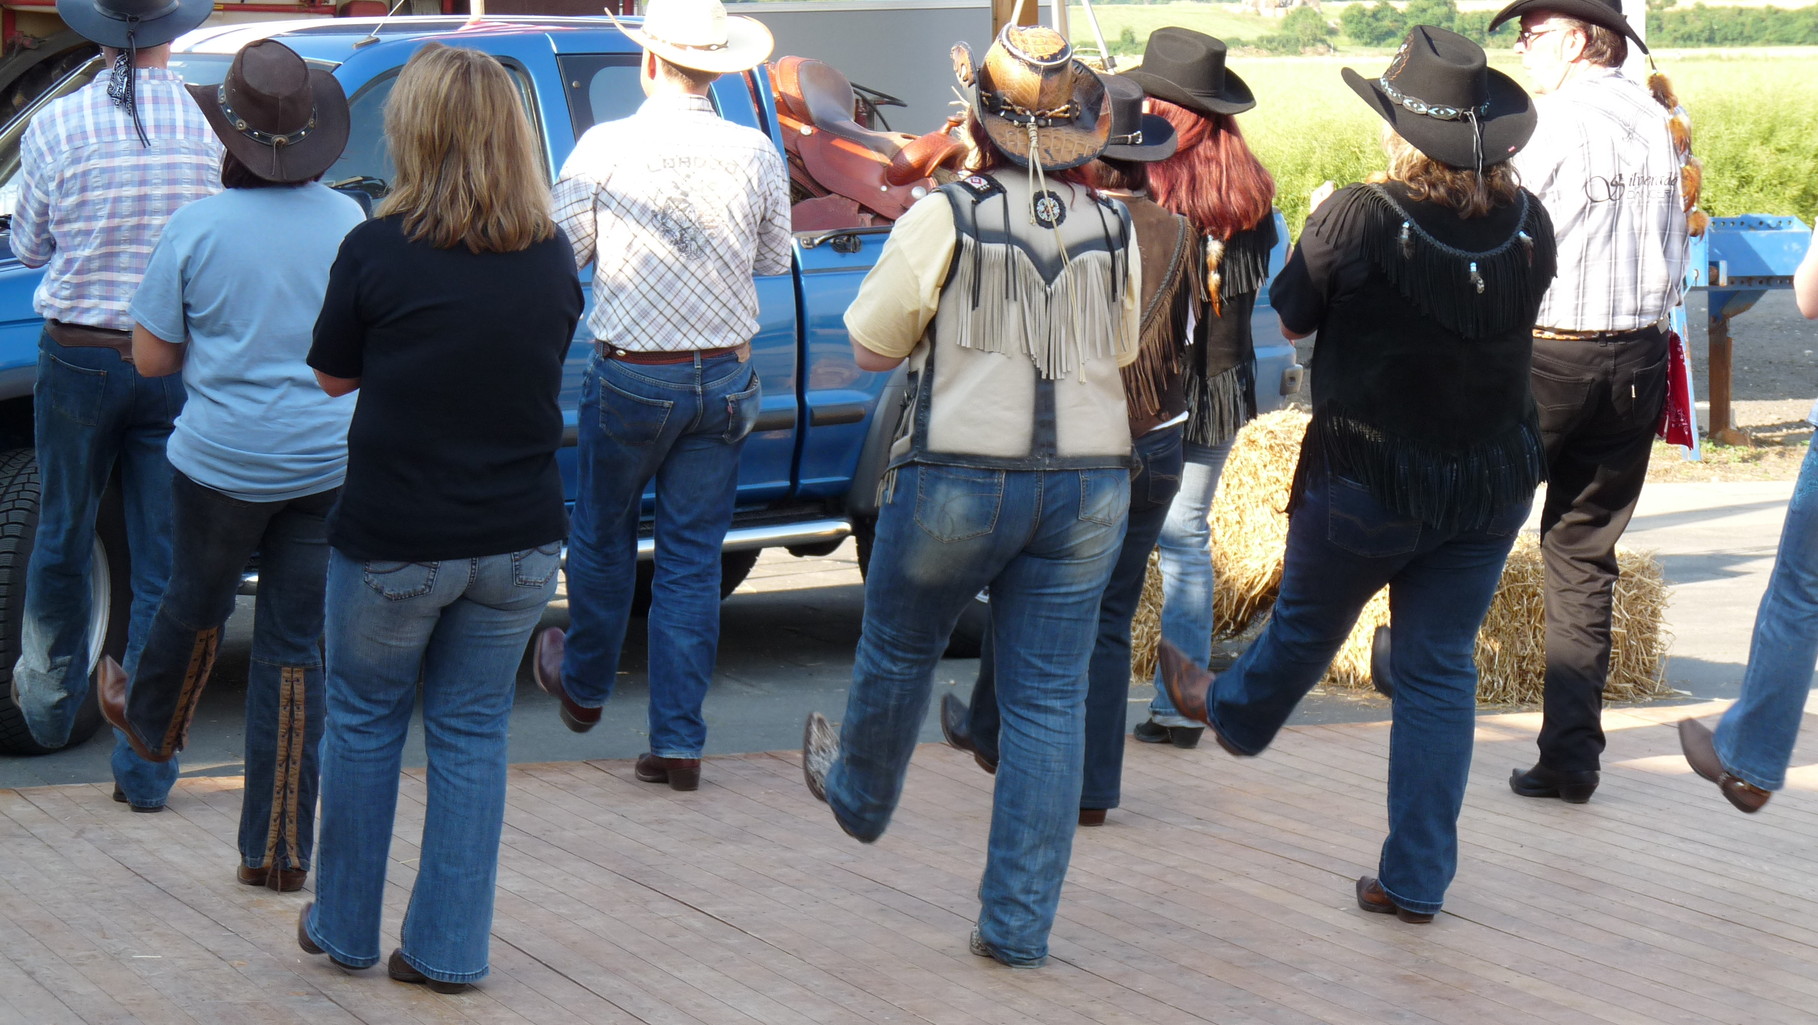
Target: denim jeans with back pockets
683 425
1344 545
93 413
460 626
1044 541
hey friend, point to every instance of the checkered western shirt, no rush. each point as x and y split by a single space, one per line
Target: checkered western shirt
93 200
677 209
1605 166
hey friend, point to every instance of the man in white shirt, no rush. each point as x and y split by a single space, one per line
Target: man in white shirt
678 210
1604 163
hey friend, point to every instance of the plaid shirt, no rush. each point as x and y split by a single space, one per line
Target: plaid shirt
92 200
1604 164
677 209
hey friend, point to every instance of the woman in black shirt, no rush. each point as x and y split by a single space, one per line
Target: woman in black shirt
451 312
1424 451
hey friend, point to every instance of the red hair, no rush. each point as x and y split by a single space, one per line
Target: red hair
1212 179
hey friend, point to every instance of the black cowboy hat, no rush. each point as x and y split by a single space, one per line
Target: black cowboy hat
1441 97
1187 68
133 24
286 121
1607 13
1134 134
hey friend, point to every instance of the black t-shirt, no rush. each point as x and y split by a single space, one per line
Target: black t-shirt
451 454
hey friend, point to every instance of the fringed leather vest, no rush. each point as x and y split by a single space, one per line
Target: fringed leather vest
1172 295
1221 390
1020 370
1420 372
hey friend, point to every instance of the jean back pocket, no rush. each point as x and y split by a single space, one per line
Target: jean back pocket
1359 523
398 581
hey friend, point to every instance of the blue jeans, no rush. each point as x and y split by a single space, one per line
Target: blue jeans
1186 567
1045 543
460 626
213 537
1755 739
684 425
93 412
1152 488
1343 547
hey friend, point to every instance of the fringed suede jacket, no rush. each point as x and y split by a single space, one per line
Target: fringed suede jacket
1420 372
1172 299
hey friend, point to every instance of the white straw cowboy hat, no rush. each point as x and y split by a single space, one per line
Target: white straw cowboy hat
699 34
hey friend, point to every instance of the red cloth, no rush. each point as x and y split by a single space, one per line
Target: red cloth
1678 422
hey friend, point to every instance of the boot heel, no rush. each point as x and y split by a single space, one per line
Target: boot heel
1576 793
685 779
1185 736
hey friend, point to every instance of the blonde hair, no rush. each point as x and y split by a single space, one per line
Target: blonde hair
468 172
1462 189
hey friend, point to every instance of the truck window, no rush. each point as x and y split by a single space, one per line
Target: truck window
366 162
600 87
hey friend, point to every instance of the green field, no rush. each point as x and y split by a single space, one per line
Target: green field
1755 113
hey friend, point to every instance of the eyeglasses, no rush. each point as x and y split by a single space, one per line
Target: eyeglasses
1528 35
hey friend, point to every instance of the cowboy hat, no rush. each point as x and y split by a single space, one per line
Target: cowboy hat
1441 97
1038 104
1134 134
1187 68
699 34
287 122
133 24
1607 13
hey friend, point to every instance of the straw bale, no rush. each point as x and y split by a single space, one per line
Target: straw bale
1250 520
1511 646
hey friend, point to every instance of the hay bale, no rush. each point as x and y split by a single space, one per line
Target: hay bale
1249 535
1511 646
1250 520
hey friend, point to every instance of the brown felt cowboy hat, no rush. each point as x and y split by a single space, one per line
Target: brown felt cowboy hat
699 34
1607 13
286 121
133 24
1187 69
1038 104
1441 97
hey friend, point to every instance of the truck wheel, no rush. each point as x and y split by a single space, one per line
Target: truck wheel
734 568
968 636
110 593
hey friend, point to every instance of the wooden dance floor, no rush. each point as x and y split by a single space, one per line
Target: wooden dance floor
1220 892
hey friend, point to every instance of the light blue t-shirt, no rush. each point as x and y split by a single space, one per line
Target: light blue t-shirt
239 276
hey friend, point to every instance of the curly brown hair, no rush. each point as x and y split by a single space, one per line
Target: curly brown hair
1462 189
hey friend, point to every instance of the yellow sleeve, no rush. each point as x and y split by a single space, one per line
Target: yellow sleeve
899 296
1131 339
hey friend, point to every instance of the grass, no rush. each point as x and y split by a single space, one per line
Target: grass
1755 111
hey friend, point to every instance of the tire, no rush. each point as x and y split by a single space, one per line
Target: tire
110 594
734 568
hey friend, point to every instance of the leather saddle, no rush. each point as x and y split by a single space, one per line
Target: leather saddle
840 171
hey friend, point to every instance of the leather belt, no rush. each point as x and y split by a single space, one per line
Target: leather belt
1568 335
607 350
91 337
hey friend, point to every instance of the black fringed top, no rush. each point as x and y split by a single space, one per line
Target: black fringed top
1420 372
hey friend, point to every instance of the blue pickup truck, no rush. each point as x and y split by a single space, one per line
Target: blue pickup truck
809 473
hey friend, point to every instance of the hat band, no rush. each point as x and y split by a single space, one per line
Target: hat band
1133 139
273 139
1064 114
147 16
1436 111
707 47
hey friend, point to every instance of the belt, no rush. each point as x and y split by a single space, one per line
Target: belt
1568 335
607 350
91 337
